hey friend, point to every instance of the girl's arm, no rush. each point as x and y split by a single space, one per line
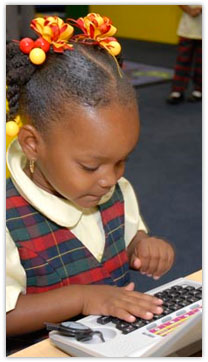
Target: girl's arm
61 304
32 310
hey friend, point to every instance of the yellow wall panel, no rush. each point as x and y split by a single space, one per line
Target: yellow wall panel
143 22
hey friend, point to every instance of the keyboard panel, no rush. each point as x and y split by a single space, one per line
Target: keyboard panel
182 299
174 298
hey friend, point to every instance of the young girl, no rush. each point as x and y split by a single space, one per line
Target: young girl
73 223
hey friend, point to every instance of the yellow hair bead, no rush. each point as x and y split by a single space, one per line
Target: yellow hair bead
12 128
37 56
115 47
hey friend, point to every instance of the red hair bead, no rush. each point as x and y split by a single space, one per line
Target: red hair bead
43 44
26 45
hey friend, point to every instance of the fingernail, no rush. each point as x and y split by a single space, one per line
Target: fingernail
159 310
156 277
142 272
132 319
149 275
148 315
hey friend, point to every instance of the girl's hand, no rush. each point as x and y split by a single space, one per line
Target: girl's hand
152 256
120 302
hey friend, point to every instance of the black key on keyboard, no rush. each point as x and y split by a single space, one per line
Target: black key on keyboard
158 316
139 323
122 325
115 320
195 292
166 298
178 299
192 299
128 329
177 287
167 311
104 319
173 294
184 303
198 295
176 307
168 304
159 295
189 287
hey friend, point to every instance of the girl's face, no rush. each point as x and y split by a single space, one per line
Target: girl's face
84 156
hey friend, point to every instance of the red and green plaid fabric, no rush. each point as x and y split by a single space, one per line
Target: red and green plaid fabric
53 257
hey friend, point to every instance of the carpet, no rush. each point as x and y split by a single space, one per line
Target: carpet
142 74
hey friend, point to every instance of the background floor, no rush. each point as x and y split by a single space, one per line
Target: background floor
166 167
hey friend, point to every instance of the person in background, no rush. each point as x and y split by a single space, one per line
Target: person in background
189 59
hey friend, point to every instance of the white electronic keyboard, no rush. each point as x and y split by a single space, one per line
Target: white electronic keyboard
178 326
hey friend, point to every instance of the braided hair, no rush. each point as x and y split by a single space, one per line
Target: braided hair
87 76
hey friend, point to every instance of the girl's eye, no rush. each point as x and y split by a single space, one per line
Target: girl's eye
89 169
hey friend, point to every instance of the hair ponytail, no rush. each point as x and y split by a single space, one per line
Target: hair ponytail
19 70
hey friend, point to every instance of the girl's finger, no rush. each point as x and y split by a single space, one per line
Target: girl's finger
144 256
161 267
143 310
130 287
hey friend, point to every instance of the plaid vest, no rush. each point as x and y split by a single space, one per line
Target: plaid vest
53 257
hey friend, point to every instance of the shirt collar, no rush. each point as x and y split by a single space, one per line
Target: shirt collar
60 211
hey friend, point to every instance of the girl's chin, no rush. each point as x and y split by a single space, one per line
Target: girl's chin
88 201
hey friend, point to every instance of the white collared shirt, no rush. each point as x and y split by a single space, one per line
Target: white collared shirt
189 26
85 224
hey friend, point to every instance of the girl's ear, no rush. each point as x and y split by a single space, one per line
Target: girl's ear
30 141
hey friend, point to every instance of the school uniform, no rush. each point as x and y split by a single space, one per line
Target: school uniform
51 242
189 58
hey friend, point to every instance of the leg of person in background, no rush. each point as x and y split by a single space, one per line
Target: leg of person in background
197 73
182 70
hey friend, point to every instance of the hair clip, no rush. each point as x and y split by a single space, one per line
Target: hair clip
53 31
98 28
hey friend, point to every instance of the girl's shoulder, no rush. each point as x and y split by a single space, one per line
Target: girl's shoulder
10 188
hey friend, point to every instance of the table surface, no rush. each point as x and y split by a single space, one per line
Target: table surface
46 349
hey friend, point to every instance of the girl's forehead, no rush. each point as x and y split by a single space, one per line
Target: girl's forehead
110 118
100 132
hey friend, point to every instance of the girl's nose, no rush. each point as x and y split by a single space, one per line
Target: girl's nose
110 177
108 180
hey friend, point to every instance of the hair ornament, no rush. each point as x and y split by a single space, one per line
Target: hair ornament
52 31
99 29
13 127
